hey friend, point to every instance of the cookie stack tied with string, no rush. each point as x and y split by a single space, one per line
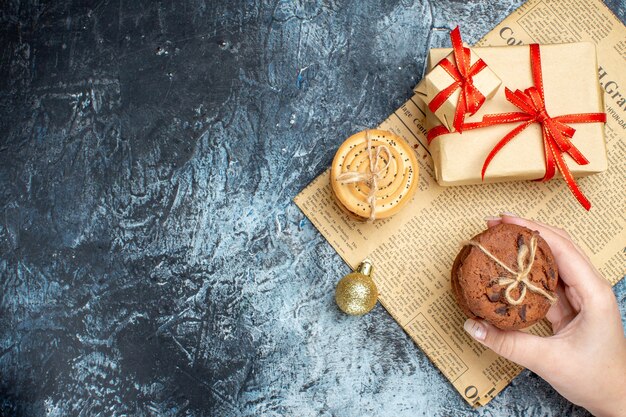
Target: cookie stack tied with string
374 174
505 275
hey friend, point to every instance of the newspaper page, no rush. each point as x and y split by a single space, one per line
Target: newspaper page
414 250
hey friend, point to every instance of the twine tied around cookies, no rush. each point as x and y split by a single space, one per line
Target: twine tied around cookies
372 177
525 260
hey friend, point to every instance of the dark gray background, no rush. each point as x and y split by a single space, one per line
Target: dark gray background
152 260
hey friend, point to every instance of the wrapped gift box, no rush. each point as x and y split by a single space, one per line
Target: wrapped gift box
571 86
438 79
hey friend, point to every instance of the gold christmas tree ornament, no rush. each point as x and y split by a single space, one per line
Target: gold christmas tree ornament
356 293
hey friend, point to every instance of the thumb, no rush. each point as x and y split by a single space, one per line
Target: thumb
522 348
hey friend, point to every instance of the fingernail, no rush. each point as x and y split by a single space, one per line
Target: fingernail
475 329
508 213
492 218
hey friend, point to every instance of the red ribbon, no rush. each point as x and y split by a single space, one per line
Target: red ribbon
470 99
556 133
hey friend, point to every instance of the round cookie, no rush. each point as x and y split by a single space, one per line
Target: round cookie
475 276
396 184
456 289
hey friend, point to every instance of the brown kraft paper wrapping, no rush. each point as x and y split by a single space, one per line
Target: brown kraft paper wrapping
571 86
486 81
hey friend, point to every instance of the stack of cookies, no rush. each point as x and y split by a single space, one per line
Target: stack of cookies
374 174
505 275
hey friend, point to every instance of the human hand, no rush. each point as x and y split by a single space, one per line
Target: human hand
585 359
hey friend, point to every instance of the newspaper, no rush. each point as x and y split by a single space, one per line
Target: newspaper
413 251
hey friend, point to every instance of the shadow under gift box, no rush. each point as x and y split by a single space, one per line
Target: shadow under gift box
570 77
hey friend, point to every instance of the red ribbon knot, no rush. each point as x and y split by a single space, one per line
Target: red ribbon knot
542 116
470 98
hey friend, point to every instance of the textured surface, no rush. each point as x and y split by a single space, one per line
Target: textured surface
151 259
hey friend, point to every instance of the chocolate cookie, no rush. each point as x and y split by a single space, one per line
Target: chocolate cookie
508 297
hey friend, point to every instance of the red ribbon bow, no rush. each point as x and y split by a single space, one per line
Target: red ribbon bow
470 99
556 133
